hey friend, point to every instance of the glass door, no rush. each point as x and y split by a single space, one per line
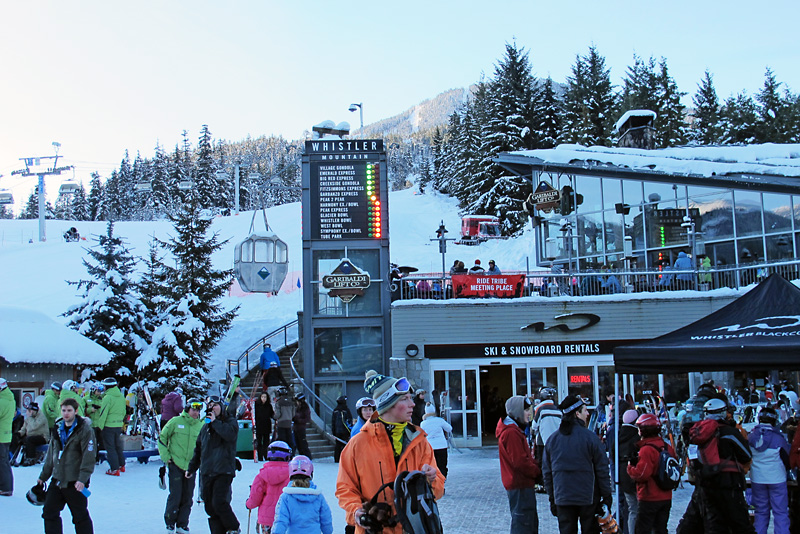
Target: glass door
459 403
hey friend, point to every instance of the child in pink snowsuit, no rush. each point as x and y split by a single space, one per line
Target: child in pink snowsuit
269 483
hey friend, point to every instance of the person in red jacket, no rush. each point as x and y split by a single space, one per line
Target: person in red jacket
518 469
654 502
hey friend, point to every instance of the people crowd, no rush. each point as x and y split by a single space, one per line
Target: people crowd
544 446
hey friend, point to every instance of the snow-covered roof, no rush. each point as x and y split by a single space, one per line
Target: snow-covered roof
29 336
767 164
634 113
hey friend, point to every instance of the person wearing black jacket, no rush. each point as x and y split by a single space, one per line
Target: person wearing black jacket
300 421
264 413
215 456
576 474
341 423
628 437
718 504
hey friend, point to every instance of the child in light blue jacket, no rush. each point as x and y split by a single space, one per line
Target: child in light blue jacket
768 473
302 509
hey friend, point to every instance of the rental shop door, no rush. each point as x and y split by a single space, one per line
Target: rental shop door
459 404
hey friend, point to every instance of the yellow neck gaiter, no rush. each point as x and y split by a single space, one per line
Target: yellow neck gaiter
396 431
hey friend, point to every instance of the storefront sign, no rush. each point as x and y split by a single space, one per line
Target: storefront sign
589 319
494 350
482 285
545 197
346 281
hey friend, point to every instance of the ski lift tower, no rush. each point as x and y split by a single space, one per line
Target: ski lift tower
37 166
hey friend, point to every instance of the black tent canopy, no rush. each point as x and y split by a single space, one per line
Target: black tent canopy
759 330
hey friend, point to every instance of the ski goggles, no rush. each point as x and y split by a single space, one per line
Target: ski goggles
195 404
400 387
214 399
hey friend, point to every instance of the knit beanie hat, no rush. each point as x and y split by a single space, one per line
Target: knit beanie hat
515 407
430 409
629 417
570 404
376 385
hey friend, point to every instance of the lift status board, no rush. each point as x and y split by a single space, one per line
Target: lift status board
345 195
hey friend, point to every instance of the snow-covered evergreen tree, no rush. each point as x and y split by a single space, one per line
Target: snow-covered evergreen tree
705 127
162 190
551 115
5 212
773 112
31 209
95 203
671 121
209 190
110 313
80 205
738 120
640 86
193 321
590 102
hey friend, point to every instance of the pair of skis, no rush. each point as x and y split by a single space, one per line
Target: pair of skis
658 407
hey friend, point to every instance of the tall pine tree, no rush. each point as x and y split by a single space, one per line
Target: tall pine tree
110 313
590 102
705 127
193 320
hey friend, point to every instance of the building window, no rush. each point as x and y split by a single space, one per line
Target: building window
347 351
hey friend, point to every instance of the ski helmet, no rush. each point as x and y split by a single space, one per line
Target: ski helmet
648 420
547 394
3 384
69 385
715 408
364 401
109 382
768 415
55 386
279 450
301 466
36 495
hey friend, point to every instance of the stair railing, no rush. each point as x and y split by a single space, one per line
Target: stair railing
246 362
319 415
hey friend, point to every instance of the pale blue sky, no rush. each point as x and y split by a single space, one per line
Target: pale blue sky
103 76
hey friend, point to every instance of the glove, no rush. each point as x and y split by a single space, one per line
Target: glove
634 459
607 501
554 509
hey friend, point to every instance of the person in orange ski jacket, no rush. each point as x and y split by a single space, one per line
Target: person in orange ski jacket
387 444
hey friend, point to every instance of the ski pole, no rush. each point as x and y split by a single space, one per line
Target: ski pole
249 512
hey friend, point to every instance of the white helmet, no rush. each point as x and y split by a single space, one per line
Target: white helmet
715 409
69 385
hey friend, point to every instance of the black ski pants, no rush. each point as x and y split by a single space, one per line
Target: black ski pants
653 517
112 439
263 435
301 442
441 460
54 501
31 442
716 511
285 434
569 517
6 476
217 499
179 501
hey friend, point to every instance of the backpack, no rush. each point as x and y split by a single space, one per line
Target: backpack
416 507
668 472
705 434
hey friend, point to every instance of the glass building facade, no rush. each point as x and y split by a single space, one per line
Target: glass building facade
732 226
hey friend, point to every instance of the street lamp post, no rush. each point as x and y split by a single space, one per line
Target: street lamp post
360 108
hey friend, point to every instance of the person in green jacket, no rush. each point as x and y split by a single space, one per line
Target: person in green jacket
8 406
176 446
109 420
50 404
93 398
69 390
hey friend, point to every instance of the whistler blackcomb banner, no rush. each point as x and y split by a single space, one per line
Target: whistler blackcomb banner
759 330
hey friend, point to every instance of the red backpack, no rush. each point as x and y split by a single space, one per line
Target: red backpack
705 434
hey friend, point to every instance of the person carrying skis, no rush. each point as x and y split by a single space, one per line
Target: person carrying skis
388 444
7 408
301 508
518 469
654 502
268 483
768 474
176 444
341 423
215 457
723 456
70 462
112 413
575 469
263 414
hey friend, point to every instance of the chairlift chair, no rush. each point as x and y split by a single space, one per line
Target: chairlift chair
261 262
68 188
143 186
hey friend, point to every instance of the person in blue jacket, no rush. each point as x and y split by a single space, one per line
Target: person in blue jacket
302 508
269 356
683 263
365 407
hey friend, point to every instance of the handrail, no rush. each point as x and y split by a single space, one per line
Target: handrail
323 425
237 364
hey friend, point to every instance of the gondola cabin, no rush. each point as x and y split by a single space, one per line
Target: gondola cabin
261 263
